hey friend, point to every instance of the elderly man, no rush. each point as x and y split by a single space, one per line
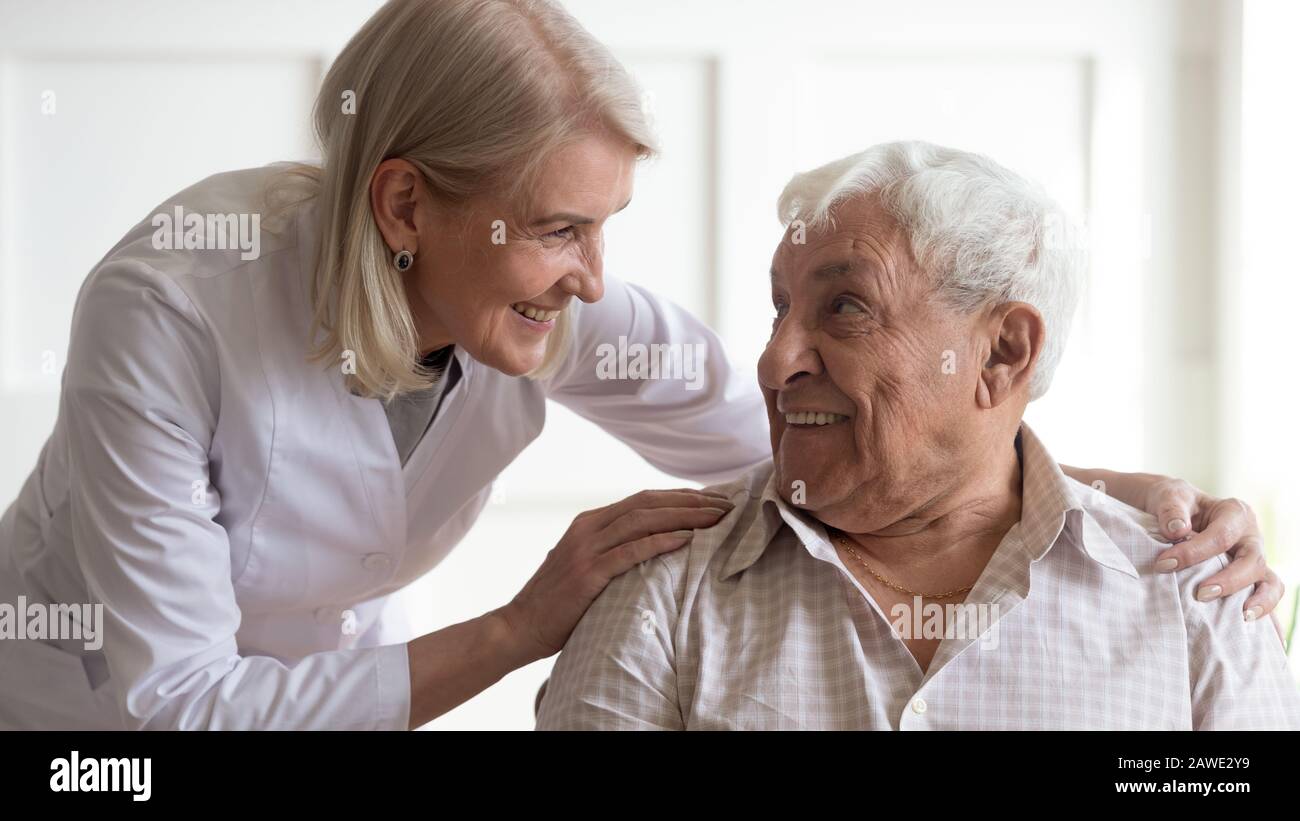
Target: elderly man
913 557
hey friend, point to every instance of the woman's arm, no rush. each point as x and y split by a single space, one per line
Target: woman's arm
1201 527
689 413
139 406
452 665
456 663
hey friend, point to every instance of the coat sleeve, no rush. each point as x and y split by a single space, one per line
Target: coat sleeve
140 396
656 378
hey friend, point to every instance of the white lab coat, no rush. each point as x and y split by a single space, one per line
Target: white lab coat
227 501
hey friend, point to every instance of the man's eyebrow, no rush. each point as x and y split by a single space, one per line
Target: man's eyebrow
572 219
838 269
833 270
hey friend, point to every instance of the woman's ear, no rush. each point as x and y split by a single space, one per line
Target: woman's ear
395 191
1016 333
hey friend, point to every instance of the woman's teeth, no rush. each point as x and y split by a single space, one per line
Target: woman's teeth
535 314
808 418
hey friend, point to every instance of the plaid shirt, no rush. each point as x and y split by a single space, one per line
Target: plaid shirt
757 624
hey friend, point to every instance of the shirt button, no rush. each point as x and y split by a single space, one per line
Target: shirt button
918 706
376 561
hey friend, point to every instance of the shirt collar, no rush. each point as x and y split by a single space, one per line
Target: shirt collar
773 514
1051 503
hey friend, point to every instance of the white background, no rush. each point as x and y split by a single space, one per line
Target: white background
1167 126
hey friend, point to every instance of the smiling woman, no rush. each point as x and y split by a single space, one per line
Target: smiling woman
497 272
317 426
495 172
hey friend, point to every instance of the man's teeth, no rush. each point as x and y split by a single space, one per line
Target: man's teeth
809 418
535 314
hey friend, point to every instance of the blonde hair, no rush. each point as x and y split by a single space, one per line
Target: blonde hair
477 95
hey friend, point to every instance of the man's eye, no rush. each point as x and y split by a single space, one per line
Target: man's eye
844 303
562 233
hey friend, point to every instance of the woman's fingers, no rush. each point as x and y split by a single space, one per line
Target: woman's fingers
1246 568
604 517
1175 506
600 545
1265 598
1227 523
618 560
652 522
647 521
1229 526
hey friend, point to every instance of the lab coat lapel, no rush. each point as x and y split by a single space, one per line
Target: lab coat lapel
378 467
444 424
370 444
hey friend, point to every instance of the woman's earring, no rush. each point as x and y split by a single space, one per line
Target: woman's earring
403 259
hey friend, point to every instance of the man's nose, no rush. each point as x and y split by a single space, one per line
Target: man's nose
790 353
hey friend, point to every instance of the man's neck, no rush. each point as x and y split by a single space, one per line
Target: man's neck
965 522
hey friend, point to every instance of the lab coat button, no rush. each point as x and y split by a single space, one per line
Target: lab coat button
376 561
919 706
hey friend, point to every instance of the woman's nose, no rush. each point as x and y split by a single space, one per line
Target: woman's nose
586 279
585 284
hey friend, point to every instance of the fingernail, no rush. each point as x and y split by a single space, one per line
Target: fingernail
1253 613
685 535
1176 525
1209 592
1165 565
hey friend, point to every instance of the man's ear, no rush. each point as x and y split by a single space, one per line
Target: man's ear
1015 339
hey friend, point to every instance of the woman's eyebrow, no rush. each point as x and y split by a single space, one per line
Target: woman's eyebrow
574 219
563 216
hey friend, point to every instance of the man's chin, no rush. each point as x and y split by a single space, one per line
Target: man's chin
802 482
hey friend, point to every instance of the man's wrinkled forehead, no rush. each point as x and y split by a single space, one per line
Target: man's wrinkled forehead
860 236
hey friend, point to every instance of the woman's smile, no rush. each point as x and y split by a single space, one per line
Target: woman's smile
538 320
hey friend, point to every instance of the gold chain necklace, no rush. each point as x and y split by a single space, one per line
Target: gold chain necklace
849 547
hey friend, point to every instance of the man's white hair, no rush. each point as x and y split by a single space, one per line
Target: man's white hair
986 234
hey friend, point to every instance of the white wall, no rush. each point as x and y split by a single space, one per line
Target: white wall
1112 104
1260 285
